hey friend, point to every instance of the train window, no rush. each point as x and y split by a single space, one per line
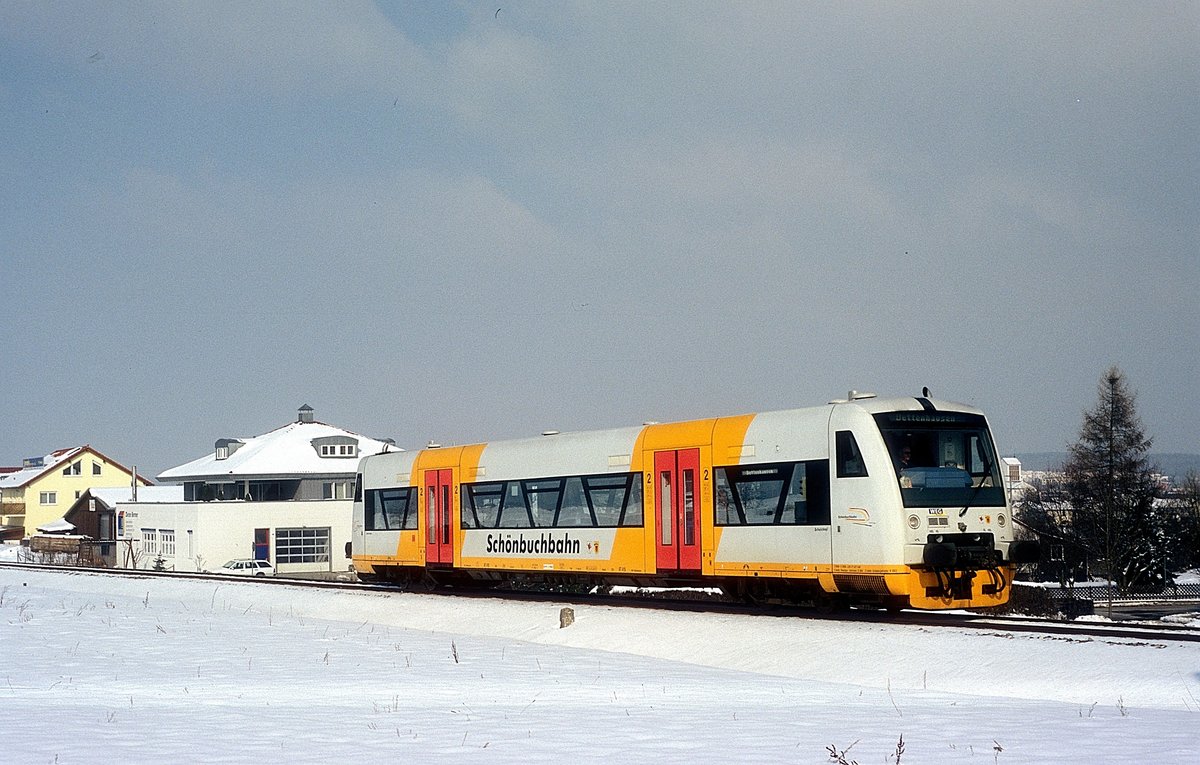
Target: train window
664 506
599 501
574 509
544 496
689 507
390 509
481 505
850 462
615 500
431 508
445 516
785 493
942 458
632 514
514 511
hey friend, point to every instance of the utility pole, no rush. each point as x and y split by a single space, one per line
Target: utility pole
1109 495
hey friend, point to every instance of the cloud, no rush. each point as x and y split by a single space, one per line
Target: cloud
886 192
279 50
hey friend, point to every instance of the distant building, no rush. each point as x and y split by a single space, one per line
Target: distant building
284 496
1014 484
43 488
96 518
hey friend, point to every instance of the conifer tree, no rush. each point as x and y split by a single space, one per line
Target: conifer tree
1111 488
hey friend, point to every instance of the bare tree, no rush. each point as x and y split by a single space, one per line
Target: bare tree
1044 514
1186 504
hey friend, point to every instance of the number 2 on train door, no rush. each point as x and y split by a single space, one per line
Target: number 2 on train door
676 476
439 547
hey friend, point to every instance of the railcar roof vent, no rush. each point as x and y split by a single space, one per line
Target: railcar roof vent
858 396
549 432
433 445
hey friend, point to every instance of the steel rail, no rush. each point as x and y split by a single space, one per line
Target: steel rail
684 602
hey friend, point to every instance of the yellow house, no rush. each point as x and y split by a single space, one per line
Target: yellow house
44 488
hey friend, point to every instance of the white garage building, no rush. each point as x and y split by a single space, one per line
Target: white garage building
285 496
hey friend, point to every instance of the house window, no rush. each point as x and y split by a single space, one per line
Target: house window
336 446
95 468
48 498
75 469
166 539
335 490
222 452
149 541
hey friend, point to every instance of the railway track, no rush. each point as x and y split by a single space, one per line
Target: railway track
689 602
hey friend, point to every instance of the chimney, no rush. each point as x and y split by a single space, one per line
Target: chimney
306 414
134 475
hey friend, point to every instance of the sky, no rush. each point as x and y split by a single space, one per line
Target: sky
462 222
162 670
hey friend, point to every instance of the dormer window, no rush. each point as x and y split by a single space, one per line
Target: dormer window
336 447
226 446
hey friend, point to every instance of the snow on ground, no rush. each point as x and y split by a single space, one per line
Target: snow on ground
1188 577
101 669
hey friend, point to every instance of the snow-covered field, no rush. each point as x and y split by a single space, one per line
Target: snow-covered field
101 669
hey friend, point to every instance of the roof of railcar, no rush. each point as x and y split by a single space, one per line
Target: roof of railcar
569 447
909 404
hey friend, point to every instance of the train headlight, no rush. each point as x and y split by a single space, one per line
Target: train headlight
1001 520
913 522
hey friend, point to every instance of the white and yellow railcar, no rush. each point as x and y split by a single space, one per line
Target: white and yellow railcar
895 501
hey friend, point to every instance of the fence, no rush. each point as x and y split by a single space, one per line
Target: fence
1099 592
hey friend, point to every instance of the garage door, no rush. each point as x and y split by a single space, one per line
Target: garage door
302 549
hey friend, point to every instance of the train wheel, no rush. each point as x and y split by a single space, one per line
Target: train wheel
895 604
832 603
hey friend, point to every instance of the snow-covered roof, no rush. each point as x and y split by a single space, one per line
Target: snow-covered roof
124 494
21 476
57 527
288 451
36 467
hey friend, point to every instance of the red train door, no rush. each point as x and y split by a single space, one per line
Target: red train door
676 480
439 546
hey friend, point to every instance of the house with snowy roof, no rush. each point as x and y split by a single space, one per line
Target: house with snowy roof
43 488
285 496
97 522
303 460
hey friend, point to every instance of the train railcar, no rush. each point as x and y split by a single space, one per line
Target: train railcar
895 501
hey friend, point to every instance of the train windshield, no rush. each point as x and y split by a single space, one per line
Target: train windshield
942 459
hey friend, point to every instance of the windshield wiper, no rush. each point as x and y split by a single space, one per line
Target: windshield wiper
987 471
